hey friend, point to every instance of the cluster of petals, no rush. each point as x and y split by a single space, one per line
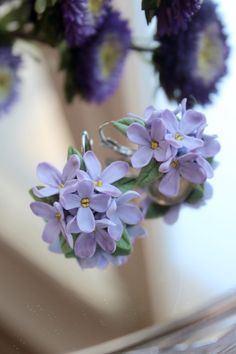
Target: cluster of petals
176 140
89 211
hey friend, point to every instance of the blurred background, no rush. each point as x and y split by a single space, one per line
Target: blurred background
47 303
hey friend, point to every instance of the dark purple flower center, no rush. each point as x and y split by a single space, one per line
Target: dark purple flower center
85 202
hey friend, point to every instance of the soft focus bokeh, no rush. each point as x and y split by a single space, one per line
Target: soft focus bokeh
47 303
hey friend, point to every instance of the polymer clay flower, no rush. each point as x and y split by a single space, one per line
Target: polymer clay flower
185 166
191 63
9 78
103 179
180 132
86 202
83 18
121 212
152 143
98 65
55 225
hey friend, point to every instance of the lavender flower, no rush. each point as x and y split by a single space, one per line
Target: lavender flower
55 221
121 211
85 201
103 179
57 182
193 62
83 18
152 143
99 63
9 78
174 16
185 166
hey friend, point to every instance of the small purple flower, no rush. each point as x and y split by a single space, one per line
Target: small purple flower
173 16
9 78
86 243
55 221
57 182
82 18
122 212
192 62
179 131
185 166
85 201
152 143
103 179
100 62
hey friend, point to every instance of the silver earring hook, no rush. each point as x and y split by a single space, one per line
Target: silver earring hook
87 143
113 144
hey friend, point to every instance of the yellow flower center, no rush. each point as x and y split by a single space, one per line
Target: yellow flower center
85 202
61 186
58 216
95 6
179 137
154 145
109 55
175 164
99 183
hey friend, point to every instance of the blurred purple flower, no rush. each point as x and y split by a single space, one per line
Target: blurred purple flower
185 166
85 201
121 211
55 221
9 78
82 18
152 143
173 16
192 63
100 62
103 179
57 182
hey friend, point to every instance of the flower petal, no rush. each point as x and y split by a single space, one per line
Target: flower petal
85 220
130 214
138 134
158 130
70 201
170 183
44 210
99 202
192 172
191 121
170 121
206 166
115 171
164 152
85 188
116 231
126 197
45 192
51 231
103 223
109 189
191 143
85 245
142 157
71 167
93 165
105 241
48 174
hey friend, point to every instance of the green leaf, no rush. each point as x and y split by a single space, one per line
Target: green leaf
40 6
150 4
149 174
156 211
125 184
123 246
68 252
123 123
48 200
18 15
74 151
196 194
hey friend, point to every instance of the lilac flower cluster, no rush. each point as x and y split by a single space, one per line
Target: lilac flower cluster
90 217
176 141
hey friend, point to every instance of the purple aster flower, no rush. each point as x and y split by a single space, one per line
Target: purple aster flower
57 182
55 221
99 63
192 62
180 130
82 18
85 201
185 166
151 141
86 243
9 78
122 212
173 16
103 179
